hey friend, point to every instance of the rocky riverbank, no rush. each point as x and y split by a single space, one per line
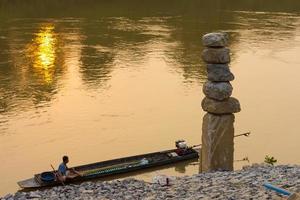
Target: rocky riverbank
242 184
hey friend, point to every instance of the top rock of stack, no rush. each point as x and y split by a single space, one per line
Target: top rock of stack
215 40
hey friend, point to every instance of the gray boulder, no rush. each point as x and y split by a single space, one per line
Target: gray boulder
230 105
215 40
216 55
217 90
219 72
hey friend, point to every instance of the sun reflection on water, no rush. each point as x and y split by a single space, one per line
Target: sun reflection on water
43 52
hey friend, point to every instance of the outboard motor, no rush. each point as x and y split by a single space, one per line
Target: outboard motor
181 144
182 147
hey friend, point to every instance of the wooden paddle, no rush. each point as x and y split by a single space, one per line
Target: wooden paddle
57 175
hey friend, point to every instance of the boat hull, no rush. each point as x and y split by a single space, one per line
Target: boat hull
115 167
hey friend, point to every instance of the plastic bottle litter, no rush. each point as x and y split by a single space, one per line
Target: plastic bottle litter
163 180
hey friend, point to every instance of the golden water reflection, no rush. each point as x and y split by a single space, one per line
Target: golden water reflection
42 50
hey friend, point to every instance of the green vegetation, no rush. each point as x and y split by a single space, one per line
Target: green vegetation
270 160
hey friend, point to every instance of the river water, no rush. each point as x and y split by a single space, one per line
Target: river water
98 79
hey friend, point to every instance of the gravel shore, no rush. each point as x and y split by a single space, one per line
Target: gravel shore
242 184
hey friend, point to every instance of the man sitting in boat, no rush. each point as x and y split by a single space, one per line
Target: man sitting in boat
64 172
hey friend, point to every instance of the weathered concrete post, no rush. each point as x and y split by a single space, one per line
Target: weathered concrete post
217 128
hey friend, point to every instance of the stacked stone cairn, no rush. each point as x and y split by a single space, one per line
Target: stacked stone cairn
217 128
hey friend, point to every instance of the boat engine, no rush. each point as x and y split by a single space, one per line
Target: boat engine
181 144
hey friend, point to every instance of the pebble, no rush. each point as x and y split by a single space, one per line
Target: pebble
242 184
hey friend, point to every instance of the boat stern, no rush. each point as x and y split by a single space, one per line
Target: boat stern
29 183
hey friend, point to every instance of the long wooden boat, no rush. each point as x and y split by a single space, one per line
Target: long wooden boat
114 167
